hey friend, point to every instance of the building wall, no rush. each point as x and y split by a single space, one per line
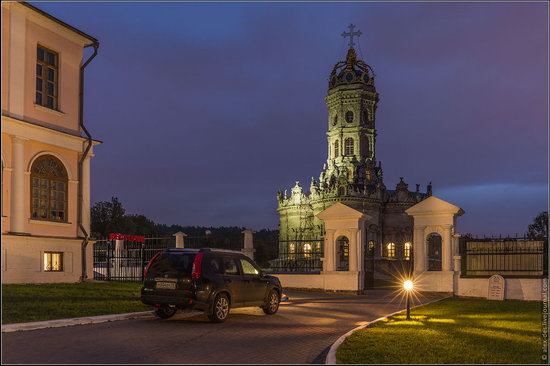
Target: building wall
5 47
22 259
327 281
70 56
22 31
30 131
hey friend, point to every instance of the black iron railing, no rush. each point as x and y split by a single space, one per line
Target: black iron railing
298 256
127 260
508 257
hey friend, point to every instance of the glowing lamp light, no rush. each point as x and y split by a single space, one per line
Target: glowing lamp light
408 286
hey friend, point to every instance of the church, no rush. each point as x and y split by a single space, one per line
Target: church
352 176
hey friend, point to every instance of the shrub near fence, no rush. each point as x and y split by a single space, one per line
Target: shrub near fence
507 257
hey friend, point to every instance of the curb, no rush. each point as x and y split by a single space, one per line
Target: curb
331 356
58 323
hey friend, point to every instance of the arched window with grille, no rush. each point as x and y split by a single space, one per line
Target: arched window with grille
390 250
348 146
49 189
336 149
342 247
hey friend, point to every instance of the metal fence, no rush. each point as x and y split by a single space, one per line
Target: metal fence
120 260
298 256
507 257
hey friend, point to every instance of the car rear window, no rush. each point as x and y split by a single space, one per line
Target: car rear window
173 262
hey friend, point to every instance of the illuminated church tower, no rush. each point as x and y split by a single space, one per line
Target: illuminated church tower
351 174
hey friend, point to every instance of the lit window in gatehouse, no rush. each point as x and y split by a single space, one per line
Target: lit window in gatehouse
407 251
342 247
336 149
53 261
49 182
348 146
390 250
307 250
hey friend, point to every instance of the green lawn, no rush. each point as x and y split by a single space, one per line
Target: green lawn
26 303
453 330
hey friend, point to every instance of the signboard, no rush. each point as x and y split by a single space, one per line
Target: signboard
134 238
496 288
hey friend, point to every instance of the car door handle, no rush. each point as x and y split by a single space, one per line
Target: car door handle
227 280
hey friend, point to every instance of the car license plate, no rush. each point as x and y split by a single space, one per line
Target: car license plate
166 285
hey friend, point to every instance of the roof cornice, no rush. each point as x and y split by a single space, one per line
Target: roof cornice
49 20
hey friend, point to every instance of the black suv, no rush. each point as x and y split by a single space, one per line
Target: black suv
211 280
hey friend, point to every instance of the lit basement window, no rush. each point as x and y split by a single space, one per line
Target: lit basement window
53 262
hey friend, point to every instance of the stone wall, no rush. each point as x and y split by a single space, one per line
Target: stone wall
326 281
514 288
23 259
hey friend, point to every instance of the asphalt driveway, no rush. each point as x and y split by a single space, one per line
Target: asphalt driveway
301 332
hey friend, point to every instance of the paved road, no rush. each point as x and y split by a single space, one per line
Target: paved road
301 332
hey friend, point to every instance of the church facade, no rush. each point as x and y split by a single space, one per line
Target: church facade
352 176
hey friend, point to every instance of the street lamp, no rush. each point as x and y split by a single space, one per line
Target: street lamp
408 286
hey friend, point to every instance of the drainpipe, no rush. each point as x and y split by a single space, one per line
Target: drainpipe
89 142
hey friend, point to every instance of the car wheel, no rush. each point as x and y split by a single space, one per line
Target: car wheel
221 309
272 303
166 312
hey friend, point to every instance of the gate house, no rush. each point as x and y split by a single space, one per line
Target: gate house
437 259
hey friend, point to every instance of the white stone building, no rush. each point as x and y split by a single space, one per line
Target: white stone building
46 150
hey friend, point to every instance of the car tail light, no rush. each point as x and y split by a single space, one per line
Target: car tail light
196 271
149 264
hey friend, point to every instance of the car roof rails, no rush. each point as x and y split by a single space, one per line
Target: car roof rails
217 250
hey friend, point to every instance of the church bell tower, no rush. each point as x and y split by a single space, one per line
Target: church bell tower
351 104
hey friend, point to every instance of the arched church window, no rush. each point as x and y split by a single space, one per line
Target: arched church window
348 146
407 251
307 250
336 149
342 248
49 182
390 250
434 252
341 191
365 116
370 248
349 116
291 251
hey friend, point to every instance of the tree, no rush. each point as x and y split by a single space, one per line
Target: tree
538 230
108 217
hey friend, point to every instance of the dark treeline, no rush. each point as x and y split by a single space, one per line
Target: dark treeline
110 217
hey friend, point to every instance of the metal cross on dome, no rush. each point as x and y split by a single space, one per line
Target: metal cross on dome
350 34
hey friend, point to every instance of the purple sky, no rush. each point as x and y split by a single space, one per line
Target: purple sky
206 110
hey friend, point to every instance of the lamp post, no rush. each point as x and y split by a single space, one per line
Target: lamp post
408 286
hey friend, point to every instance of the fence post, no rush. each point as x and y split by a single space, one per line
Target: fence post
248 249
180 239
109 245
142 257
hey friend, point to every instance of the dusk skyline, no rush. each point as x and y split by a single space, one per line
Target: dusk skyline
206 110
